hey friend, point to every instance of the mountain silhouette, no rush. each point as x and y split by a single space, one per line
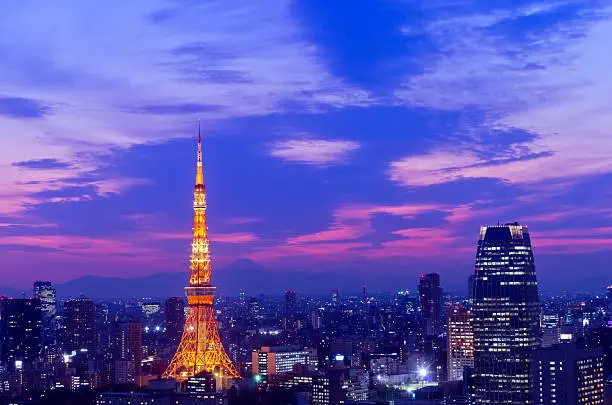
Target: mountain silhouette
241 275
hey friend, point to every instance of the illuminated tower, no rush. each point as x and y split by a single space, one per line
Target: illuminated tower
200 348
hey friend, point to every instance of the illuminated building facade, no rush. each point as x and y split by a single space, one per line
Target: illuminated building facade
45 292
320 390
567 374
277 360
460 345
429 295
200 348
506 315
550 330
203 382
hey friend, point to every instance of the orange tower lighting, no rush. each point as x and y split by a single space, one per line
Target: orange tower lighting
200 348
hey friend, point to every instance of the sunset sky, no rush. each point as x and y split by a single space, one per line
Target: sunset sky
370 138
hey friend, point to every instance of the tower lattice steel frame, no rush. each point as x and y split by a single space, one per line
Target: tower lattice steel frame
200 348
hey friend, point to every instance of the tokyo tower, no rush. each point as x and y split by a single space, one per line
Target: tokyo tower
200 348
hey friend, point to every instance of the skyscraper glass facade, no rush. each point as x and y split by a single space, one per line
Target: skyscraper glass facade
429 294
506 315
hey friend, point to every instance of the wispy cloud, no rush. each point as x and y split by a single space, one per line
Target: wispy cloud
531 67
42 164
140 81
315 152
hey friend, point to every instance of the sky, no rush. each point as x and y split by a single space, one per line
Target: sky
367 138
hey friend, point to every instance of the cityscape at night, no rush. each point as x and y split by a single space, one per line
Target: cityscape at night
305 202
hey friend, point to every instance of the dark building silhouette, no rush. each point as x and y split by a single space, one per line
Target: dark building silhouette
290 302
174 315
471 288
567 374
429 293
506 315
21 322
45 292
80 326
335 297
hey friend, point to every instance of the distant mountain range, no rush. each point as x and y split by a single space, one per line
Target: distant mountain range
242 275
253 278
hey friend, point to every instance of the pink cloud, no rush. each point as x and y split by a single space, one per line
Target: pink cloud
352 222
572 245
243 220
471 211
236 237
566 212
421 242
433 168
99 248
569 241
355 221
326 251
341 233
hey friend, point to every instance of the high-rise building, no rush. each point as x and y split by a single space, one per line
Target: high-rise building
320 390
45 292
506 315
135 335
21 323
550 330
429 294
289 321
277 360
567 374
126 350
609 296
200 348
80 326
174 315
460 345
255 308
335 297
290 302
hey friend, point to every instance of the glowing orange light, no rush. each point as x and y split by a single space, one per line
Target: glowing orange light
200 348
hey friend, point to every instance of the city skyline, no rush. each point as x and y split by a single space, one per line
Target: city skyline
322 158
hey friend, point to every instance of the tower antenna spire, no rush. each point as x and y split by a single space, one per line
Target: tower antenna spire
199 175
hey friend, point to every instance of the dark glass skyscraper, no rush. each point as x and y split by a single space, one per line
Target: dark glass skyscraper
431 315
506 315
80 326
174 315
20 325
